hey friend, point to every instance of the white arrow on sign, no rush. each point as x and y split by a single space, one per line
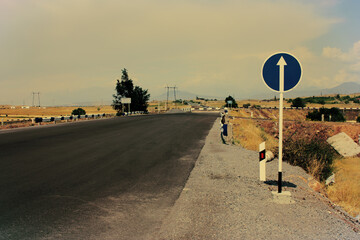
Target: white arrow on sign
282 65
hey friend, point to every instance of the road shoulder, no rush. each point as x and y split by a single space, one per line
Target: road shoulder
223 199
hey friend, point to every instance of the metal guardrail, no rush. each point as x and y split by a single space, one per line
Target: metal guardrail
72 117
40 120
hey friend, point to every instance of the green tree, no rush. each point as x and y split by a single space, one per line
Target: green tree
125 89
246 105
78 111
139 99
298 102
233 104
335 113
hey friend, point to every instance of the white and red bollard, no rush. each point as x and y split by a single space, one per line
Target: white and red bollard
262 161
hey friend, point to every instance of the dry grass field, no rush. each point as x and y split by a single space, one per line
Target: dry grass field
346 189
248 135
19 112
289 114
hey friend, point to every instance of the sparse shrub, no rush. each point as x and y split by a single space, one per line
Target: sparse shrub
314 155
78 111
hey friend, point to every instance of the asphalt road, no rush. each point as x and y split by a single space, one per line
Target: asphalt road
108 179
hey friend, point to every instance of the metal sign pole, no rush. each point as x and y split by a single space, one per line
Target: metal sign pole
273 74
280 141
281 65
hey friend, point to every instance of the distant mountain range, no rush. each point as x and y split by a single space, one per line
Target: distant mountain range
344 88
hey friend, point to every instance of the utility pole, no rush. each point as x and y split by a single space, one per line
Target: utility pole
167 95
174 93
38 97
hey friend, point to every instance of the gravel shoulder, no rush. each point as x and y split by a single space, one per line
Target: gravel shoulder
224 199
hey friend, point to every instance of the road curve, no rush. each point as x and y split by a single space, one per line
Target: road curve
114 178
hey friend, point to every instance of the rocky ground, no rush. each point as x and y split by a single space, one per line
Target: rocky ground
224 199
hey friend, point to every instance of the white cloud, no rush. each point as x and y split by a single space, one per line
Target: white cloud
336 53
344 76
355 67
352 55
348 61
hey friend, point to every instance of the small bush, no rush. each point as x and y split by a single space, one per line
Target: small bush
358 119
314 155
298 102
246 105
78 111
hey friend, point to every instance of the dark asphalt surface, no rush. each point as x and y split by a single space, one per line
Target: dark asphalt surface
113 178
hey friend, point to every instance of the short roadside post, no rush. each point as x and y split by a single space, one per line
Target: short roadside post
262 161
281 72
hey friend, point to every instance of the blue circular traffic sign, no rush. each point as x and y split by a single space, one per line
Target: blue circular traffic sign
281 66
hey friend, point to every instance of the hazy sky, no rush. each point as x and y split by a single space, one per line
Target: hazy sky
74 50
